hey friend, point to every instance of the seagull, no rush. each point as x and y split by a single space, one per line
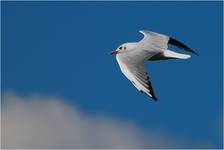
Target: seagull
154 46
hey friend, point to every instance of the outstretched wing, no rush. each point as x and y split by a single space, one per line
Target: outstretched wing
136 73
156 40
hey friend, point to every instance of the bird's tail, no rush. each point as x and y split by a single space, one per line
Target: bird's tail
172 54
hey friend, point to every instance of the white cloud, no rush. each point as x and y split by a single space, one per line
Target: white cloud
48 122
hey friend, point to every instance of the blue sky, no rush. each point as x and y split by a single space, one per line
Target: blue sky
63 49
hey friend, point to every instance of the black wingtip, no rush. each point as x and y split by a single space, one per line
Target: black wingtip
177 43
154 98
193 52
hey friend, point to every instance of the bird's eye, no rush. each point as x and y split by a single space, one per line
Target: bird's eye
120 47
125 48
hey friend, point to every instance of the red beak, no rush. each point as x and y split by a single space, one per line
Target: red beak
114 52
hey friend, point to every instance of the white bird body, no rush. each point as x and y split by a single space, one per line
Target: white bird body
154 46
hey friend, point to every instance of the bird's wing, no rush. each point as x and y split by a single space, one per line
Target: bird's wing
136 73
156 40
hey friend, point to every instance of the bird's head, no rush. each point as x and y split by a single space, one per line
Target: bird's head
123 48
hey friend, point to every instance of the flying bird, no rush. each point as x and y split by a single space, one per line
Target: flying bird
154 46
